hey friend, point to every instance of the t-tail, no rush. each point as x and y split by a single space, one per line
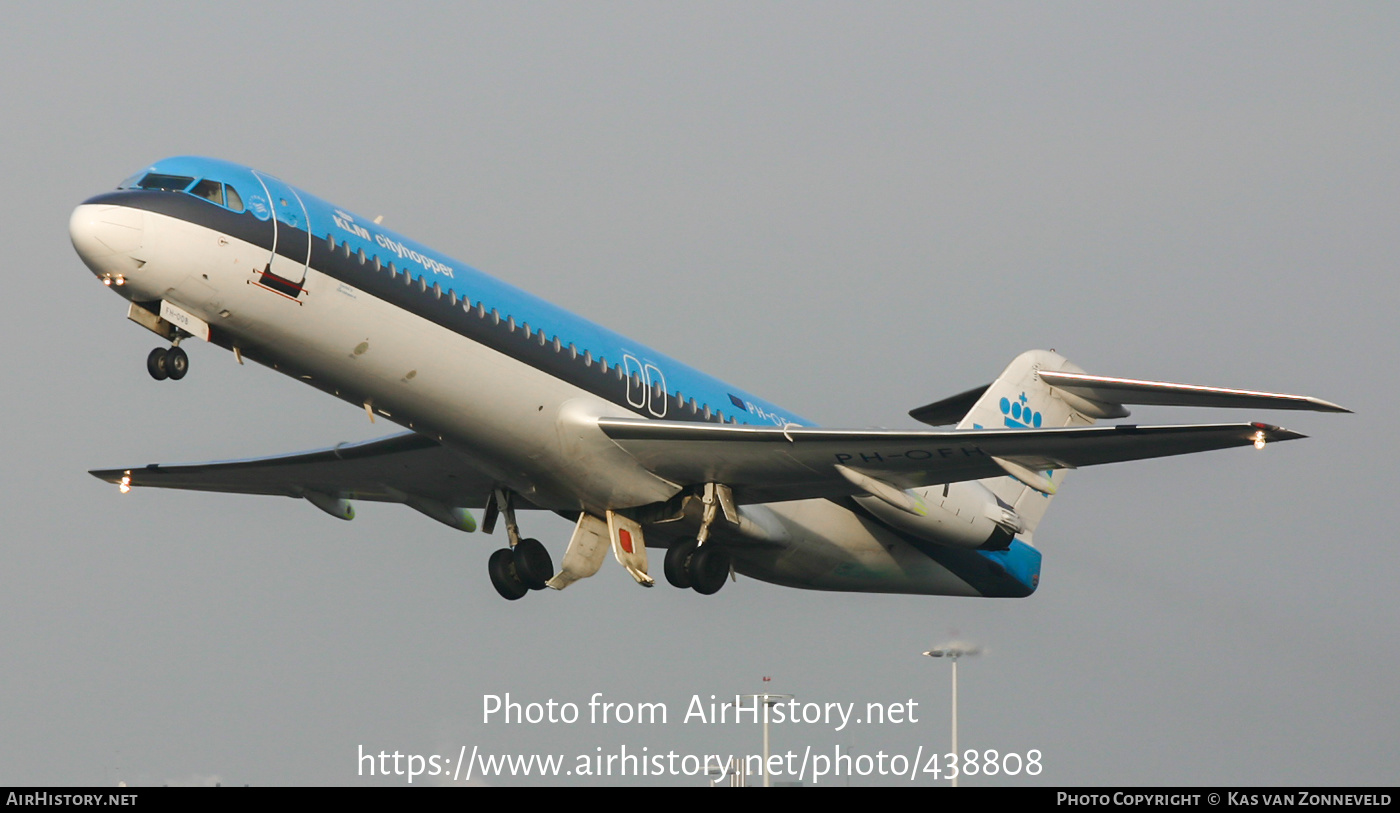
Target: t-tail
1041 389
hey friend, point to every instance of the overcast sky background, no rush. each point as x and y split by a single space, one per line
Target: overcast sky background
850 209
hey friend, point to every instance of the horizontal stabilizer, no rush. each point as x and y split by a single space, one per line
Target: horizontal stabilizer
1105 390
950 410
772 464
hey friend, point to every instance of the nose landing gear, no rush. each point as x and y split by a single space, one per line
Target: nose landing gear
172 364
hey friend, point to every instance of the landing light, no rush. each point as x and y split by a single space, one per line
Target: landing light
107 281
1259 440
125 485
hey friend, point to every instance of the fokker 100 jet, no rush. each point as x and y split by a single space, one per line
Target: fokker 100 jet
513 403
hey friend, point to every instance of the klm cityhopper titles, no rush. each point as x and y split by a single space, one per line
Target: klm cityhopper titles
513 403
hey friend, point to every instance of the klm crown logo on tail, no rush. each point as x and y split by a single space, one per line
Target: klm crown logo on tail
1018 399
1018 414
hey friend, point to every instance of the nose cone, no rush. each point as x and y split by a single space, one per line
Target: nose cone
105 236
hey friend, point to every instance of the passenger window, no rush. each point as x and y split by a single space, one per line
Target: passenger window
234 201
212 191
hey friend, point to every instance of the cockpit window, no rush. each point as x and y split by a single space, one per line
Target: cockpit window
212 191
234 201
173 183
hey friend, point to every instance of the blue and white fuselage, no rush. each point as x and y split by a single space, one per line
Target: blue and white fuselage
533 399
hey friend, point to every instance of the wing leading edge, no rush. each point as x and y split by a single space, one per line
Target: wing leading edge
389 469
763 464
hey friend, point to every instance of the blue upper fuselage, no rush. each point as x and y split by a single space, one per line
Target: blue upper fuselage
304 233
685 393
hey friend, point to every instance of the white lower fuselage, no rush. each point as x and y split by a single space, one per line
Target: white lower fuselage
529 430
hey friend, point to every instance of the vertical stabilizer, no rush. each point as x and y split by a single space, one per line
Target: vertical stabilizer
1018 399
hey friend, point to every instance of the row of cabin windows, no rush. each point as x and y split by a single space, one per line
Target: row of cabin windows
226 196
528 332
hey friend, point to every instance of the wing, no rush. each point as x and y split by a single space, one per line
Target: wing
384 470
765 464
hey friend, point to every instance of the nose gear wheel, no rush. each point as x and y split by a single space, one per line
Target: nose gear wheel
173 363
155 364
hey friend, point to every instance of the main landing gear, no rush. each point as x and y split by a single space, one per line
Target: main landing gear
522 567
171 364
695 564
518 570
702 567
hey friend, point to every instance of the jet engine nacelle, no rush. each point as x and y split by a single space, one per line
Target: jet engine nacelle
961 515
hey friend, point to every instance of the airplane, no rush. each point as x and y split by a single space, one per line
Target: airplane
510 403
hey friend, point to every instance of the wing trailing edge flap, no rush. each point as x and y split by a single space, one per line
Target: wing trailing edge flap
770 464
405 468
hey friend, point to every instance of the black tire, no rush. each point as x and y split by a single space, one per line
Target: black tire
177 363
709 567
532 563
507 582
677 567
155 364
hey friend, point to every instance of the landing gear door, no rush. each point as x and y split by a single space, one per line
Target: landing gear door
285 271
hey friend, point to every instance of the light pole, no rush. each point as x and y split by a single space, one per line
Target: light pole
952 651
768 701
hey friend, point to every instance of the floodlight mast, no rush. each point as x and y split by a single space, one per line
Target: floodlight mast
953 651
768 701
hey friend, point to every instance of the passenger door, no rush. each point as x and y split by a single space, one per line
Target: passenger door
291 240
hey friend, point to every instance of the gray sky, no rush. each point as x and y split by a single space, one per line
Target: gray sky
850 209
